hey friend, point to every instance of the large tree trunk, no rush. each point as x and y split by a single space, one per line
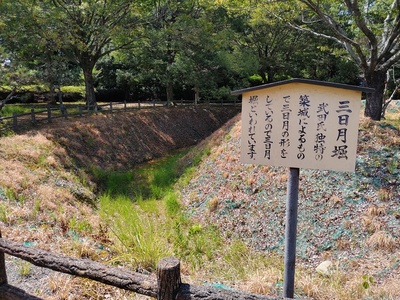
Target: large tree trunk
374 100
89 88
87 64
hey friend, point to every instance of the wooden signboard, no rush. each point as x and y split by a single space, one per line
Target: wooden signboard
302 124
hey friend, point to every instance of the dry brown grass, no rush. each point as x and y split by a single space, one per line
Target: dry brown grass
385 194
32 168
344 284
212 204
262 281
383 241
373 218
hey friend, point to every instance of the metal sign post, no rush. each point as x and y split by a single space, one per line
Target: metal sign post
290 232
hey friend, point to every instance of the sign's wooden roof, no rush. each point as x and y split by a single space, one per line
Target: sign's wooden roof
307 81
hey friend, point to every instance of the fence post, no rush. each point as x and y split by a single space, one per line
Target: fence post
139 103
111 108
125 104
33 117
168 278
3 273
80 110
63 109
48 114
15 121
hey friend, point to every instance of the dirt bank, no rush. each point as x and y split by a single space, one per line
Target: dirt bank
122 140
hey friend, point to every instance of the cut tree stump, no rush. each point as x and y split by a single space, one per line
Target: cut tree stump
168 278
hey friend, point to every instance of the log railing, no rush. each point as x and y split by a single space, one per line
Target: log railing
48 114
167 285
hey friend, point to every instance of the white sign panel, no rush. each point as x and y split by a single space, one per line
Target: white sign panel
301 126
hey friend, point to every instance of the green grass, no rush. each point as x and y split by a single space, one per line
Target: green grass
152 180
146 221
136 233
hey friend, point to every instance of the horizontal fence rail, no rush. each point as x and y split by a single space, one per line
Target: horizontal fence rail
26 121
166 285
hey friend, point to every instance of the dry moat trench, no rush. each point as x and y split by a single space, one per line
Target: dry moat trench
351 219
116 141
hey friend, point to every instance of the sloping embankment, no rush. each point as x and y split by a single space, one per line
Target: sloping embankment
119 141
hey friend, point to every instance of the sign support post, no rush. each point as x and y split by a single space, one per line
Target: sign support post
290 232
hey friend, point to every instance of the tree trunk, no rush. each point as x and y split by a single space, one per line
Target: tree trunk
196 95
8 98
87 66
374 100
170 93
263 76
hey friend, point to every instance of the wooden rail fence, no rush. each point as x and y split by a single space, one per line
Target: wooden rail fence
47 115
166 285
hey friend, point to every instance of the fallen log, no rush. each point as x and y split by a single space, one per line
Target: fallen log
169 285
86 268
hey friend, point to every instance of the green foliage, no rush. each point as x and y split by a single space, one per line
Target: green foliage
80 226
196 244
10 194
210 47
3 213
74 39
73 89
24 268
367 281
255 79
10 109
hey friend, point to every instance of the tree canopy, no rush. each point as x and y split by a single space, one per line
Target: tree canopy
201 48
368 30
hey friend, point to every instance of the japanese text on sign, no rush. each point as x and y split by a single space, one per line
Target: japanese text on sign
301 127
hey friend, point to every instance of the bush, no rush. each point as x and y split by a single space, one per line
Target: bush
113 95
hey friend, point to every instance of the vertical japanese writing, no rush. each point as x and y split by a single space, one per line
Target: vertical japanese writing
340 150
268 127
303 114
251 139
285 141
320 137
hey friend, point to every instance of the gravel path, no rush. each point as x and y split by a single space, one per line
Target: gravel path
30 278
